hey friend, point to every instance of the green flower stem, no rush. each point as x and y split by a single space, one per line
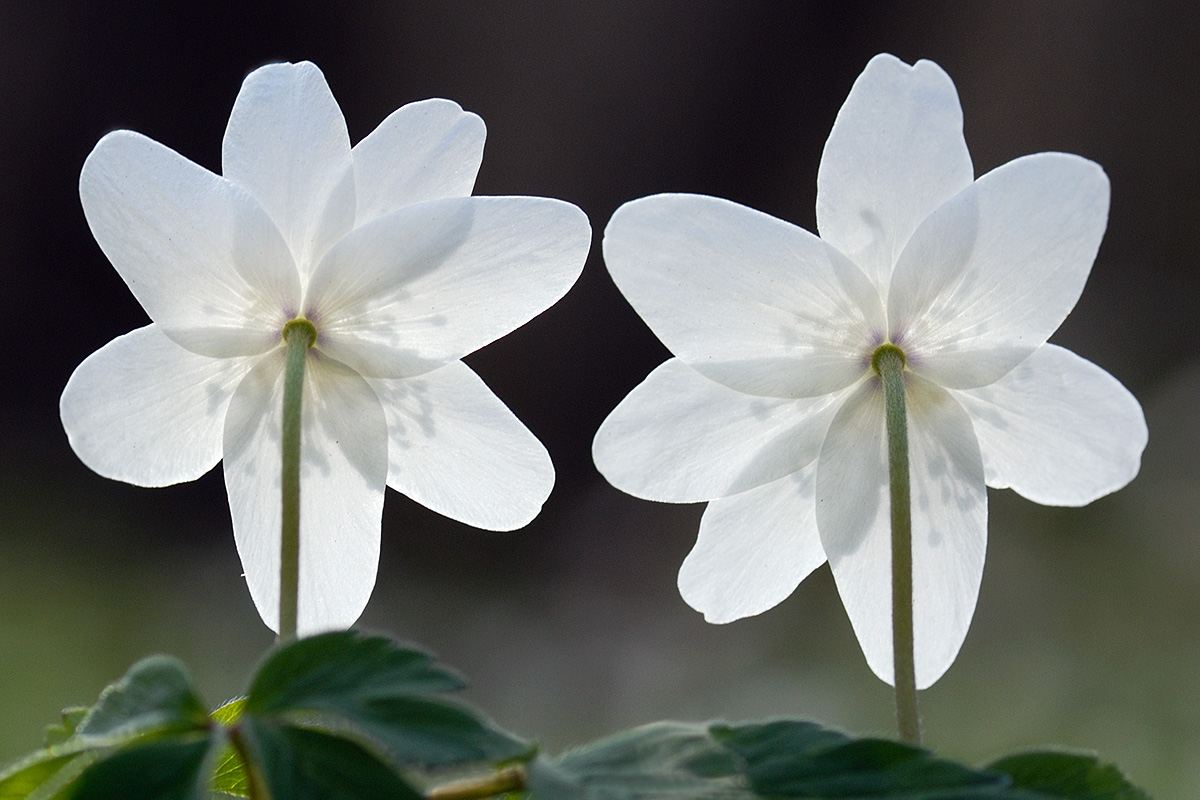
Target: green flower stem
299 335
509 779
889 363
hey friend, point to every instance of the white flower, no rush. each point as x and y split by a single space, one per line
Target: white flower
401 271
771 410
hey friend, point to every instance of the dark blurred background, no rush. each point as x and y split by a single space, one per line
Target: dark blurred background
1088 627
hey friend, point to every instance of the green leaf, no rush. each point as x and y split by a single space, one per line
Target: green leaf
163 769
156 694
305 764
229 776
154 698
793 760
802 760
333 668
64 729
47 771
229 713
1071 776
431 733
378 688
666 759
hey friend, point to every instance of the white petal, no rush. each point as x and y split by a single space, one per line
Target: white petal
746 299
145 411
196 250
342 473
896 152
430 283
1057 429
287 144
423 151
455 447
754 549
949 523
680 438
994 271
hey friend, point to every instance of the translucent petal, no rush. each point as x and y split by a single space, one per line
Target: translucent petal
746 299
1057 429
287 144
423 151
994 271
342 476
430 283
754 549
896 152
145 411
949 521
681 438
197 251
454 447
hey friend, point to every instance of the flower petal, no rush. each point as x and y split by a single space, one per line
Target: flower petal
342 474
1057 429
454 447
745 299
681 438
430 283
754 548
994 271
423 151
197 252
286 143
896 152
949 523
145 411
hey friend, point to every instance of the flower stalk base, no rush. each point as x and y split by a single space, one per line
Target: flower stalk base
298 335
889 362
509 779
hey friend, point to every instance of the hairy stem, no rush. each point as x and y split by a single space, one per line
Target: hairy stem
889 363
299 336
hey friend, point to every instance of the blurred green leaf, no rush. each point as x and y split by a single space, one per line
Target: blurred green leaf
47 770
794 760
154 697
330 717
666 759
163 769
788 758
64 729
305 764
432 733
378 687
156 694
332 669
1071 776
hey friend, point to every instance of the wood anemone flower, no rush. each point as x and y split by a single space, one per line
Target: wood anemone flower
399 271
772 411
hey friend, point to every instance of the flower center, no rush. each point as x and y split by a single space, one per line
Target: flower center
887 356
300 327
